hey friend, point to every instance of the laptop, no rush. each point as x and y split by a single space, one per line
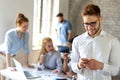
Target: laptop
24 73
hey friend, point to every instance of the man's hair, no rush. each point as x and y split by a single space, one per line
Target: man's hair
59 15
91 9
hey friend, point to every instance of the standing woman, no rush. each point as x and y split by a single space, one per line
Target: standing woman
15 39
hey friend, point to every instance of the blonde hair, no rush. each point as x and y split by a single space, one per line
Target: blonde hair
44 42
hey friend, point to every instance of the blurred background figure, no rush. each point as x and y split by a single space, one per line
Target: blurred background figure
64 33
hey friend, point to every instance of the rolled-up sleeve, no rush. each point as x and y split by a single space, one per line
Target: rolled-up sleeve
26 43
8 43
59 63
69 27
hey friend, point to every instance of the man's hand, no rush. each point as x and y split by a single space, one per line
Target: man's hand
69 74
65 57
82 63
94 64
90 64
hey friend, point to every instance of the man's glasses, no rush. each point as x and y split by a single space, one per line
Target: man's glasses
92 24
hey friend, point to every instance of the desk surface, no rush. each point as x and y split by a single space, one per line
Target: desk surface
45 74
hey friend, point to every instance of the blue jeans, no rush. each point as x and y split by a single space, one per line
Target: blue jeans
63 49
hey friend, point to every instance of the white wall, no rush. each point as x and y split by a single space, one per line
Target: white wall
64 7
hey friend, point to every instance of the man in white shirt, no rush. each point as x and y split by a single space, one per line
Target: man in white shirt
95 53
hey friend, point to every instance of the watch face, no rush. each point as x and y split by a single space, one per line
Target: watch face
73 77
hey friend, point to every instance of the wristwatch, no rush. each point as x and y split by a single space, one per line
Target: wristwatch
73 77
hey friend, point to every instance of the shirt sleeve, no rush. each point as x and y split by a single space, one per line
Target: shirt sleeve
113 66
75 57
69 27
41 67
26 43
8 43
59 62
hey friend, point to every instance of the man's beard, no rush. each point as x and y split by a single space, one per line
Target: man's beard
61 21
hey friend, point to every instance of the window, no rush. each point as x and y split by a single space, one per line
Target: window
44 20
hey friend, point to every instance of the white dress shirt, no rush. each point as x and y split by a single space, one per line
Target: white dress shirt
104 48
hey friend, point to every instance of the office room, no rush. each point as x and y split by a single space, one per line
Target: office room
42 15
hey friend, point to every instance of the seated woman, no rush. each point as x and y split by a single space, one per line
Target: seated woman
49 57
67 67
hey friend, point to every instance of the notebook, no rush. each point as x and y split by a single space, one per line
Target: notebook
24 73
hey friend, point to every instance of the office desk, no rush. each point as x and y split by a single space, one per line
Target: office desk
45 74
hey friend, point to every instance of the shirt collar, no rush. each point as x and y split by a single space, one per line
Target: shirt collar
102 33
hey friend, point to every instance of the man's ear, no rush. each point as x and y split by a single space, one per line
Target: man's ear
100 18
